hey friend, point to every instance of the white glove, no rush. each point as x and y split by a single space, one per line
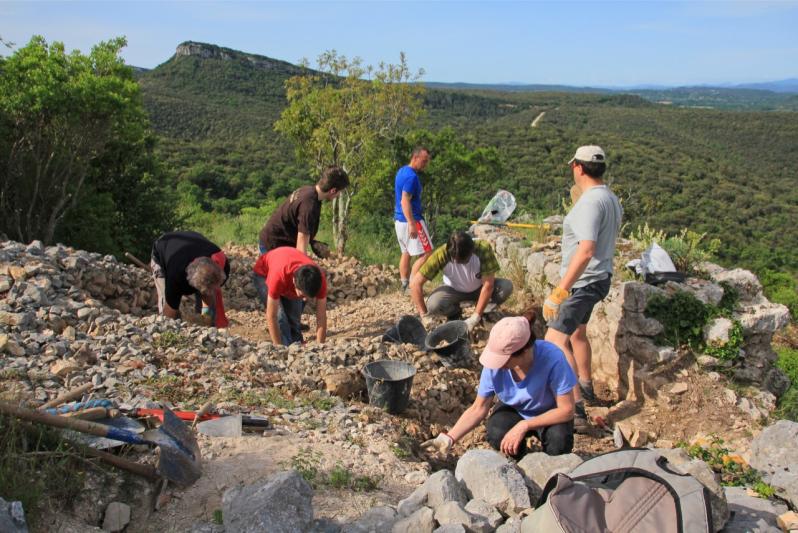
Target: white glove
472 321
442 443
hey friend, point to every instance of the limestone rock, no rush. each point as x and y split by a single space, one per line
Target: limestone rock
12 517
538 467
751 514
491 477
344 383
453 513
788 521
451 528
282 503
442 487
485 510
377 519
117 516
412 503
422 521
716 332
512 525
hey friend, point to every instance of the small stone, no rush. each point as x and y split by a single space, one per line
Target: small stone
416 477
422 521
679 388
117 516
639 438
64 367
788 521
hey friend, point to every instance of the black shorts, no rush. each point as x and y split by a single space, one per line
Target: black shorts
578 307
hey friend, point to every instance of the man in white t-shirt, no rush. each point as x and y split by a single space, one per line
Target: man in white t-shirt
588 246
469 275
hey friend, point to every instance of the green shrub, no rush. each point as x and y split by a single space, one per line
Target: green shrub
781 288
788 403
682 315
687 249
788 362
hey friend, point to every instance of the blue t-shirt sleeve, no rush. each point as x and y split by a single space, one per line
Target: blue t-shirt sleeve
562 378
409 182
486 389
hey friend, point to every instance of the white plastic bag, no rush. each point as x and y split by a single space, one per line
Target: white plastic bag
499 208
655 259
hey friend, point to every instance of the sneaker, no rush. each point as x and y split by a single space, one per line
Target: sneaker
587 392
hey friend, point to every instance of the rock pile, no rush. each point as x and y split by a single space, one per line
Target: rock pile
489 492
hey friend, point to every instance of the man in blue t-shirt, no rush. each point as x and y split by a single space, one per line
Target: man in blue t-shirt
411 230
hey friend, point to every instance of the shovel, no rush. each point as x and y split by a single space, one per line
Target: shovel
179 460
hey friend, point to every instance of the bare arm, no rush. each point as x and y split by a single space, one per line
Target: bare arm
407 209
272 306
563 412
321 320
471 417
485 294
302 242
584 253
417 292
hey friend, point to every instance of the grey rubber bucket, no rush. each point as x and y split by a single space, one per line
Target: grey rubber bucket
389 383
409 329
447 338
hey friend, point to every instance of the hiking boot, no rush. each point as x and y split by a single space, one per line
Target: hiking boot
587 392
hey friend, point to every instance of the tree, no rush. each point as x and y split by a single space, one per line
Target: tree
59 115
345 114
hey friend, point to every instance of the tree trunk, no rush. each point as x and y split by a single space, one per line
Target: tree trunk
341 220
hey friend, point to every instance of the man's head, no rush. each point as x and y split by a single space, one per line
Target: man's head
419 158
590 161
307 280
460 246
205 276
333 180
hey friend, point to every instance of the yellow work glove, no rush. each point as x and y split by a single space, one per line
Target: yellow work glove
551 307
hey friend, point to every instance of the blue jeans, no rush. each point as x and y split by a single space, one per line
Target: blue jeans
288 316
288 319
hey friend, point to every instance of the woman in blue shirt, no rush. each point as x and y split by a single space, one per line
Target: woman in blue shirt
533 382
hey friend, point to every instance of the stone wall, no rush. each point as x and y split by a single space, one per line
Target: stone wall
626 357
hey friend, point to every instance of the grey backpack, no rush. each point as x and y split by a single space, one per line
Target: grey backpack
625 491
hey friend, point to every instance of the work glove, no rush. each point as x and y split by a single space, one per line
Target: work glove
320 249
472 321
442 443
551 307
428 322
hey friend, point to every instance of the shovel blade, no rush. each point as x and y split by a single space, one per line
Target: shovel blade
180 460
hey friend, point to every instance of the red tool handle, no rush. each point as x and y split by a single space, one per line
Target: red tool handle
182 415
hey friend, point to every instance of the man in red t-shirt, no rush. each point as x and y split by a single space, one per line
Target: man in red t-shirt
287 277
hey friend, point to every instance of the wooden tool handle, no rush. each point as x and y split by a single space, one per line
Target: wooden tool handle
81 426
136 260
93 413
68 396
145 471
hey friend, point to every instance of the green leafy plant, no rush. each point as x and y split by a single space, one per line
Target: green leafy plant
687 249
732 470
683 317
731 348
218 518
339 477
308 464
788 403
170 339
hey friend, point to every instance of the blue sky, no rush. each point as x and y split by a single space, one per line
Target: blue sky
574 43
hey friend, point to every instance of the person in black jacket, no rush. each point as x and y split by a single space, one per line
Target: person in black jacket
184 263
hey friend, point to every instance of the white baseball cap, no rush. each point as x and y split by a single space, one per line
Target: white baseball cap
589 154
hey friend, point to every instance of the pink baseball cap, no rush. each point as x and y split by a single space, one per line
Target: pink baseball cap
507 337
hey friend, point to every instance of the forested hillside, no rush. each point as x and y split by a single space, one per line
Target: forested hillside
728 173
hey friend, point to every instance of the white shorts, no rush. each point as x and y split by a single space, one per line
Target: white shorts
414 247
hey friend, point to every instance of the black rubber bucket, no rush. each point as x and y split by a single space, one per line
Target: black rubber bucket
389 383
448 338
409 329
